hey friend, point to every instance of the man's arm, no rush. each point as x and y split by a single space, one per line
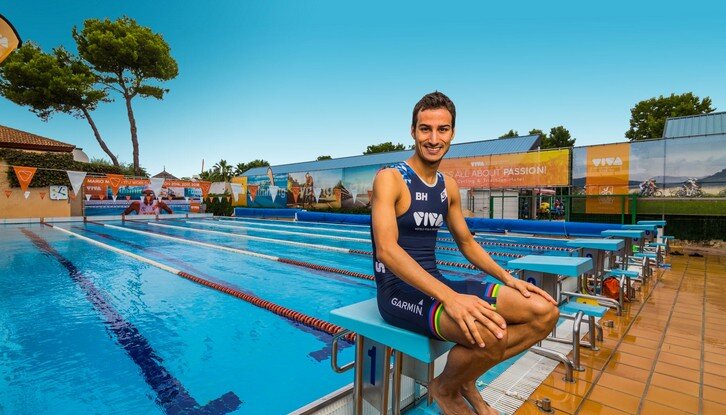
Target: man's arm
163 206
464 309
133 207
474 252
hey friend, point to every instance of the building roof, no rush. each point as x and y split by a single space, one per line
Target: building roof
12 138
166 175
474 148
695 125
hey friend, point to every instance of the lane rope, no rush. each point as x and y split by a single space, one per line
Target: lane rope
243 252
295 316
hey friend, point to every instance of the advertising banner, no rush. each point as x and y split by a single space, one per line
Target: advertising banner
316 189
267 190
357 181
532 169
607 173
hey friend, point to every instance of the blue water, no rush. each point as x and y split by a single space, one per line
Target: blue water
91 331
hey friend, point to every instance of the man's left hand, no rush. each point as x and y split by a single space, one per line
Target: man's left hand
527 288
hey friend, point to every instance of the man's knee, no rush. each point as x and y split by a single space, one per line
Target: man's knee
547 315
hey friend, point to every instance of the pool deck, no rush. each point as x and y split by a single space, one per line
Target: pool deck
665 355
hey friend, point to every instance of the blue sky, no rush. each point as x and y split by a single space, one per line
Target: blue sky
287 81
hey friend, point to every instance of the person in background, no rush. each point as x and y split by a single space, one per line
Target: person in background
148 206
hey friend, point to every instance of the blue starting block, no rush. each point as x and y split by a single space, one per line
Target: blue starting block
376 342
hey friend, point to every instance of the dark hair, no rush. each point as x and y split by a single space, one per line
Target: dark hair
432 101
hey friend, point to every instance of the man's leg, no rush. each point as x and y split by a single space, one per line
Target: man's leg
529 320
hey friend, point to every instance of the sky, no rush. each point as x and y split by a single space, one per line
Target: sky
288 81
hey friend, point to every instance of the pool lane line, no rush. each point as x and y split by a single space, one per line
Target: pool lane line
313 246
254 238
295 316
513 245
291 226
273 225
313 235
243 252
338 238
171 394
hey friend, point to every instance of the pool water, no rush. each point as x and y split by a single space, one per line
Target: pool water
87 330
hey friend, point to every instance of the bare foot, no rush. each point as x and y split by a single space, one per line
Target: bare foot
471 393
449 403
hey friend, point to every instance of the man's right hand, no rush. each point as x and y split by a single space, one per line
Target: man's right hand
467 309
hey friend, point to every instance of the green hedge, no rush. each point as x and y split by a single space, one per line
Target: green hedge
217 208
60 162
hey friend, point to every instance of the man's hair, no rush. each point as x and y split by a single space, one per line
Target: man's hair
432 101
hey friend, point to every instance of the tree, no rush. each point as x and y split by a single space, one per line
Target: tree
559 138
223 169
510 134
240 168
50 83
647 117
542 135
324 158
126 56
384 148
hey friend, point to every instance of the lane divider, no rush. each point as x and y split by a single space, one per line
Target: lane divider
272 225
295 316
242 252
341 238
171 394
313 246
254 238
514 245
338 238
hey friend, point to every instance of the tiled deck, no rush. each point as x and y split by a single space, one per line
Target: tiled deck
665 355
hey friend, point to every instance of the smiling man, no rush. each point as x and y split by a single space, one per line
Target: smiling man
489 322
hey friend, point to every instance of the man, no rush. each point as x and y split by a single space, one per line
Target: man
149 206
489 322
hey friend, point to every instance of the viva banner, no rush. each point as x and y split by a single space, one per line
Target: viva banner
607 174
533 169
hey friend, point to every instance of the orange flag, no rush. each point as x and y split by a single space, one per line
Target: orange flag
42 195
295 192
115 181
9 39
25 175
8 192
205 188
253 191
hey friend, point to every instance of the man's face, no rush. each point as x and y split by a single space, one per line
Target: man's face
148 197
433 134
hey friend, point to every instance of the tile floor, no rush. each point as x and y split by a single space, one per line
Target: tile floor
665 355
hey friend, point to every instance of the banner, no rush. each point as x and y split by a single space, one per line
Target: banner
76 178
205 187
532 169
253 191
115 180
156 183
607 172
25 176
239 185
9 39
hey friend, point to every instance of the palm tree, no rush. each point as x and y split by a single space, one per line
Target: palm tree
240 168
224 169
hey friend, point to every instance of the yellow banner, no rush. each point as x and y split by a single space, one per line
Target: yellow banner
607 174
532 169
9 39
242 196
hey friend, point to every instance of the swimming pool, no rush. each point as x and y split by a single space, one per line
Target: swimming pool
84 329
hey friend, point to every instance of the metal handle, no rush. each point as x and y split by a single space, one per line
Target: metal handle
334 354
